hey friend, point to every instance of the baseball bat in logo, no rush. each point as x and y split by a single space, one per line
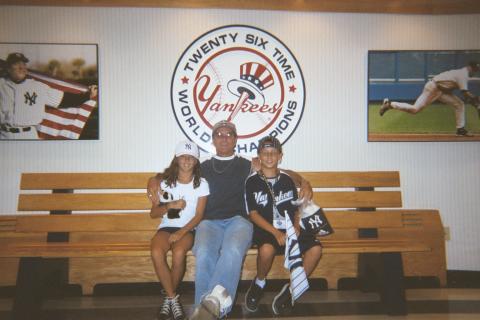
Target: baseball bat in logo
241 74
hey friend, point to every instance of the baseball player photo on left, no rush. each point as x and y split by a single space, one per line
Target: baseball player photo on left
49 91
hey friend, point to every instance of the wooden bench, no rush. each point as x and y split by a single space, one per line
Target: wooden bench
99 222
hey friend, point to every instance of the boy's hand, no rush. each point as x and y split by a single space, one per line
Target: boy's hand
280 237
306 191
296 224
297 230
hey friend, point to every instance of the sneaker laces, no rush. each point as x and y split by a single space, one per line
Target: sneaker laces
176 306
165 308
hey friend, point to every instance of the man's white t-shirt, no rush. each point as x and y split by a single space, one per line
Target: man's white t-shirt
188 193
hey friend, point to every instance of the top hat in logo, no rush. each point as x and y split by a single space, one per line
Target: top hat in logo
254 78
243 75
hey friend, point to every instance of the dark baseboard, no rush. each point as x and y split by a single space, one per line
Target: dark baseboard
463 279
455 279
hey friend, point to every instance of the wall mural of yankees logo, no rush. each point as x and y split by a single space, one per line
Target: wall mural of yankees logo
241 74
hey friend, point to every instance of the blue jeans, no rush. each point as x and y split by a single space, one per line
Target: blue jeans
219 249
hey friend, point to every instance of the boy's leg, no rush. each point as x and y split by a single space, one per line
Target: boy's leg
208 240
311 258
312 251
179 253
266 254
159 247
265 257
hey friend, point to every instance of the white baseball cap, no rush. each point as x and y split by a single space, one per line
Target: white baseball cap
188 148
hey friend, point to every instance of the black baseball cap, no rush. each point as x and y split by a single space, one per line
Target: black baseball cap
269 142
16 57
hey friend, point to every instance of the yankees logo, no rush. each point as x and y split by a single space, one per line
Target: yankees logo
241 74
30 99
261 198
315 222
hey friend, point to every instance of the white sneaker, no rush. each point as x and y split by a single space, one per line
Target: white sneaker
213 305
223 297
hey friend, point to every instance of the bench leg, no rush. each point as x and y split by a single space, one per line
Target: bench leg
392 291
369 269
27 303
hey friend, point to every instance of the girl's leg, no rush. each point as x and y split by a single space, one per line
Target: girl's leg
179 254
266 254
159 247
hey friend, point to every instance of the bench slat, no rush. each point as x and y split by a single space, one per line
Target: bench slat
358 199
138 180
353 179
138 249
83 201
139 201
135 222
49 181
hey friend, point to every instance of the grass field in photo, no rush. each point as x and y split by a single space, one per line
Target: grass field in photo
435 118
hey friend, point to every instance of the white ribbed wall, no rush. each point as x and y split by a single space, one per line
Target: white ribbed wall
138 50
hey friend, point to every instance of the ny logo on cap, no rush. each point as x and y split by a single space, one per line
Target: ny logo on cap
188 146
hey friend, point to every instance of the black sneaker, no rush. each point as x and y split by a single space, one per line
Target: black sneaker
253 296
163 312
464 133
176 308
282 303
385 107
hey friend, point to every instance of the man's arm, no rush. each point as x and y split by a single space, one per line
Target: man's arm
153 188
306 191
70 100
470 98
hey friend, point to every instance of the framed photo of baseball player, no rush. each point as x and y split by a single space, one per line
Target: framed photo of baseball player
424 95
49 91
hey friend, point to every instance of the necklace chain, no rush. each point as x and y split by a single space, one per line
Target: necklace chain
264 178
224 169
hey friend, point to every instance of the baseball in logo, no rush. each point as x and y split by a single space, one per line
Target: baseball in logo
241 74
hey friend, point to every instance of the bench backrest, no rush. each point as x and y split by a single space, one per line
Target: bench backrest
115 192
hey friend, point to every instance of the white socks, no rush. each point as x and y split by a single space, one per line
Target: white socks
260 283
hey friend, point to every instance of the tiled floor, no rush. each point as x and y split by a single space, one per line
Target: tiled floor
438 304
